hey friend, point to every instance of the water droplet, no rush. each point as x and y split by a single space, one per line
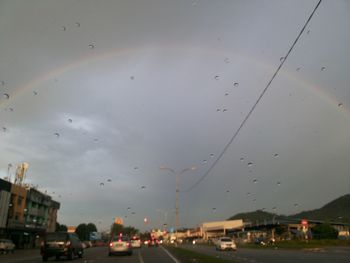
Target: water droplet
236 84
216 77
282 59
77 24
6 96
227 60
205 161
11 109
35 93
109 180
276 155
96 140
213 208
298 69
226 94
255 181
340 104
323 68
136 168
57 134
250 164
296 204
278 183
263 209
227 191
241 159
63 28
224 110
143 187
218 110
91 46
133 213
254 200
102 184
211 155
2 83
4 129
132 77
248 193
308 32
70 120
274 208
128 208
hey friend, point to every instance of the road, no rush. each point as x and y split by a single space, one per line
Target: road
96 255
327 255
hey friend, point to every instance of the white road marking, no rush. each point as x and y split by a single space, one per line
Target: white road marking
170 255
140 257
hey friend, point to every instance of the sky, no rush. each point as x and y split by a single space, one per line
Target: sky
97 95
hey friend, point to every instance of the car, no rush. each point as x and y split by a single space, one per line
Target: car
60 244
225 243
120 244
153 242
6 246
136 242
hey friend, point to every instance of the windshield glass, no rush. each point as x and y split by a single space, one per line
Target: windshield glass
179 120
56 237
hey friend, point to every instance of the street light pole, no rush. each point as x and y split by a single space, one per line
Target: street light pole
177 208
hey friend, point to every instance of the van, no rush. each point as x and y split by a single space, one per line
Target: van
60 244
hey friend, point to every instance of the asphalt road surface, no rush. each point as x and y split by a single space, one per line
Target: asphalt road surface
96 255
333 255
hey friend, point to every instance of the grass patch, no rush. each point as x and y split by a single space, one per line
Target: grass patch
298 244
189 256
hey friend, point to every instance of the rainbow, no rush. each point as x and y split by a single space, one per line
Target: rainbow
99 56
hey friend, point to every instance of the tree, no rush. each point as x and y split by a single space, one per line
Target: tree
324 231
91 228
81 231
61 228
129 230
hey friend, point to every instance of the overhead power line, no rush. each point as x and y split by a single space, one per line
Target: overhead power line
255 104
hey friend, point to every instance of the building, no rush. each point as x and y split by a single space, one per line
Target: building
5 195
220 228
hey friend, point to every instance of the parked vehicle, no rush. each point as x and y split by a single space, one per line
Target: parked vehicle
61 244
225 243
6 246
120 244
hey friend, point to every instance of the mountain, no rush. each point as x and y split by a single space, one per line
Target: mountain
337 210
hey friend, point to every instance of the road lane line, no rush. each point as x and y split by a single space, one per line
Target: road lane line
140 257
170 255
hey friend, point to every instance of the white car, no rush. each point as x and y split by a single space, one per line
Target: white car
136 242
225 243
6 246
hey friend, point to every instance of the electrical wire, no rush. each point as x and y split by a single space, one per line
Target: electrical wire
254 105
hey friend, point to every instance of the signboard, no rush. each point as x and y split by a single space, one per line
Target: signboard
304 222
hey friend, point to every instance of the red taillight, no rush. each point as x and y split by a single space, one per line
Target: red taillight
111 244
68 243
149 241
128 244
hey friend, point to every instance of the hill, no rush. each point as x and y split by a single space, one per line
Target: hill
337 210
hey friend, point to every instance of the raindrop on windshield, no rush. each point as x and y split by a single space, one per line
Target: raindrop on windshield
70 120
250 164
2 83
323 68
11 109
218 110
77 24
91 46
224 110
226 94
143 187
295 204
340 104
4 129
6 96
255 181
241 159
128 208
298 69
227 191
132 77
248 193
109 180
282 59
136 168
216 77
278 183
205 161
96 140
254 200
211 155
133 213
57 134
102 184
276 155
235 84
213 208
227 60
63 28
